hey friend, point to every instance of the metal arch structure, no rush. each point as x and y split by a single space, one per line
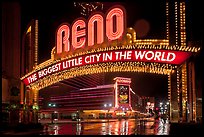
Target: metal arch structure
181 77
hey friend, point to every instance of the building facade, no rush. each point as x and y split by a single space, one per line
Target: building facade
11 45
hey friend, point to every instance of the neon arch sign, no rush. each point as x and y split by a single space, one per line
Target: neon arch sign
110 27
79 52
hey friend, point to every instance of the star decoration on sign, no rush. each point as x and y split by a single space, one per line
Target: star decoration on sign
88 7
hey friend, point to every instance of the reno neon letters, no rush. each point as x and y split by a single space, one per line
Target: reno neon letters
111 27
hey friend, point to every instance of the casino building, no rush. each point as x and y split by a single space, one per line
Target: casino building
95 102
73 82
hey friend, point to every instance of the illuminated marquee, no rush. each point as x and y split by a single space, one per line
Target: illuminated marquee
113 26
80 51
161 56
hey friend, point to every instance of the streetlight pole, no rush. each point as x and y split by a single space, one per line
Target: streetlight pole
109 107
168 110
52 114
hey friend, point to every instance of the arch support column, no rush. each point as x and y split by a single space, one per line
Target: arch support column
173 97
182 96
35 106
191 92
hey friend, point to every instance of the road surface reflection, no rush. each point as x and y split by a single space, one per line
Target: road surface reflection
114 127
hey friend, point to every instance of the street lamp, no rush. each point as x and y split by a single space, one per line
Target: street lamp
35 115
148 103
168 107
52 114
108 106
51 104
148 107
161 104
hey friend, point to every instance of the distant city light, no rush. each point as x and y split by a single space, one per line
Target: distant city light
148 103
108 105
161 103
52 105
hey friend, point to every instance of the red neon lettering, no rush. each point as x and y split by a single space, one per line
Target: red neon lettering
100 34
119 24
78 34
63 40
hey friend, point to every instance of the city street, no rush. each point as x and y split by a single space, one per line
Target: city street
113 127
116 127
100 127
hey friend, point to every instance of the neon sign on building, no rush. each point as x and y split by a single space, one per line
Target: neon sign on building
122 93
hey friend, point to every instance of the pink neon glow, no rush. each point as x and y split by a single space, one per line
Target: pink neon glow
130 107
74 98
80 101
148 103
116 95
85 92
89 95
100 34
119 24
63 40
84 97
71 98
76 33
129 97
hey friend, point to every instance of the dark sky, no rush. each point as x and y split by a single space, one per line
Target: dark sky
149 13
143 84
51 15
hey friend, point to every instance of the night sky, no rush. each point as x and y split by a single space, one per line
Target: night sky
149 15
51 15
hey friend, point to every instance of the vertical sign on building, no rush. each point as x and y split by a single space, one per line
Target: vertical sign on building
122 94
